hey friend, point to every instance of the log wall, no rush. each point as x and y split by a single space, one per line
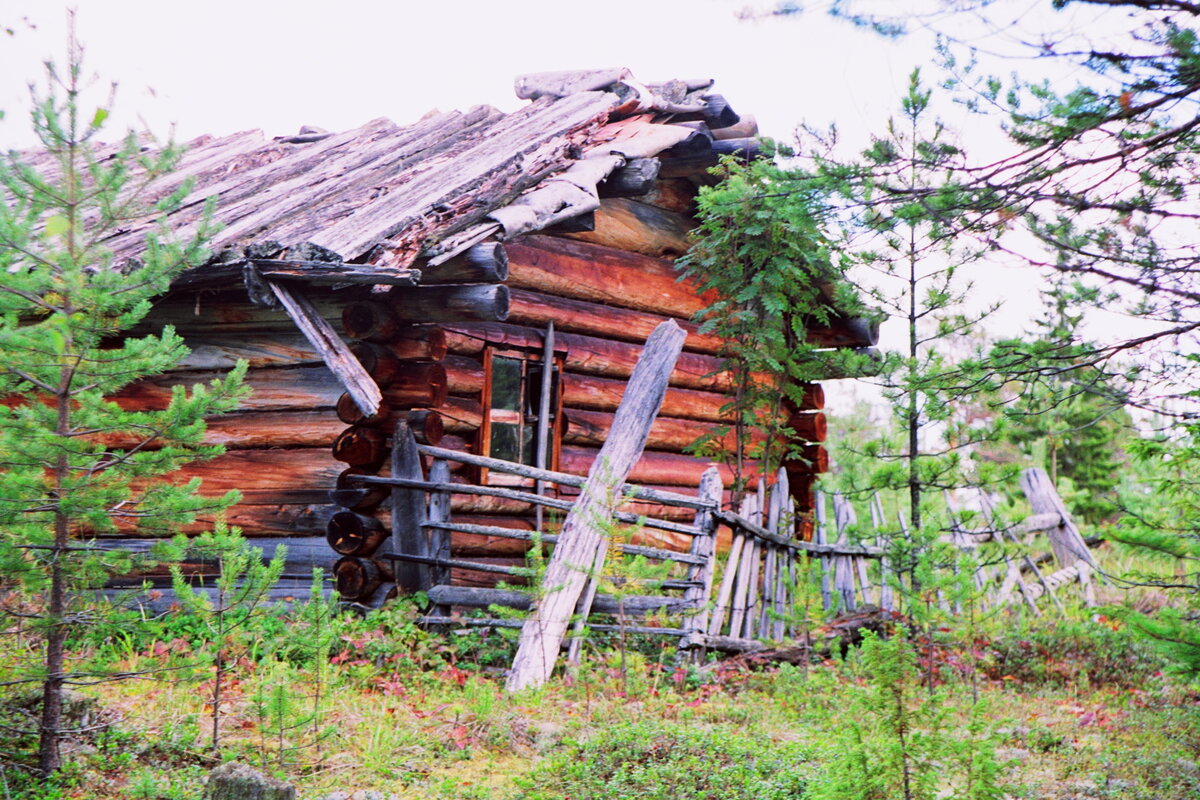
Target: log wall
298 435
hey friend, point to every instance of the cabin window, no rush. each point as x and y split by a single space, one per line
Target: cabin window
512 400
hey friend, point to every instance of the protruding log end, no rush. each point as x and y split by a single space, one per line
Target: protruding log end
356 497
809 427
486 262
358 578
373 322
354 534
361 447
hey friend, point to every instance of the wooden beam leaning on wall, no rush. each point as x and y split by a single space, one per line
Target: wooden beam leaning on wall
581 542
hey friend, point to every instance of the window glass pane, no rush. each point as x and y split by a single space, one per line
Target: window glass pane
505 441
528 444
506 383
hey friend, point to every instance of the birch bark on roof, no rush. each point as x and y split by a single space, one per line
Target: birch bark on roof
582 536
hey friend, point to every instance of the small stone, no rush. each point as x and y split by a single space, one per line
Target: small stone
234 781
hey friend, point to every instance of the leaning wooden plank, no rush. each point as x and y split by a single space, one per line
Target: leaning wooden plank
1067 542
727 580
582 536
329 344
843 568
821 534
478 597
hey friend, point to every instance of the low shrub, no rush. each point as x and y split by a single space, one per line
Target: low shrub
656 761
1057 653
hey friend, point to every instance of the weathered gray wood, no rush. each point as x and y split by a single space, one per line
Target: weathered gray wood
821 534
543 426
408 514
741 587
1067 542
634 179
439 512
449 563
704 548
471 302
477 622
486 262
478 597
656 553
843 577
582 536
524 497
224 275
886 600
337 356
626 491
728 577
780 497
759 532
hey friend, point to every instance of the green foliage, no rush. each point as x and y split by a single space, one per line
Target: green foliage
762 251
1069 653
654 761
895 740
76 464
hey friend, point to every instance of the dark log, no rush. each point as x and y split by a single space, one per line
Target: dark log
698 142
426 425
206 314
640 228
811 427
222 276
476 302
302 517
814 397
416 384
673 194
268 470
160 599
578 316
718 113
353 534
362 447
587 354
580 223
253 429
634 179
581 543
301 556
357 497
845 332
486 262
461 414
217 350
371 321
681 164
357 578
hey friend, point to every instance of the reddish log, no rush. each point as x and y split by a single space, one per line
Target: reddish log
385 362
604 394
464 376
811 427
654 467
272 389
590 272
461 415
356 496
588 427
477 302
673 194
579 316
269 470
418 384
362 447
371 321
588 354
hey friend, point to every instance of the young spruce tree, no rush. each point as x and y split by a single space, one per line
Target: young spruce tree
73 463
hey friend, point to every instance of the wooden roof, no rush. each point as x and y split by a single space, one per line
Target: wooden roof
397 196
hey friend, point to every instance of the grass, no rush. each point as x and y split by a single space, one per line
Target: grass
1073 708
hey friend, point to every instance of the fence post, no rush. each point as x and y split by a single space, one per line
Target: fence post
704 545
439 538
408 512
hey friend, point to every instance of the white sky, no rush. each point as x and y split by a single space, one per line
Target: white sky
220 66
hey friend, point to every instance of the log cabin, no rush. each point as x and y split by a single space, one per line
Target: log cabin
486 277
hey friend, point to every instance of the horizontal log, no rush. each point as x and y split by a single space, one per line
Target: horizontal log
160 599
357 496
654 467
306 388
385 362
301 555
809 426
604 394
268 470
745 128
461 415
589 271
269 519
327 273
844 332
813 459
464 375
590 427
472 597
718 113
472 302
595 319
640 228
216 350
589 355
486 262
357 578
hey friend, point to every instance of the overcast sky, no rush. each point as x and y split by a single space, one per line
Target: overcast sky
221 66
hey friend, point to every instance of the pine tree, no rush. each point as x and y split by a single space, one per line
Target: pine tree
74 464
